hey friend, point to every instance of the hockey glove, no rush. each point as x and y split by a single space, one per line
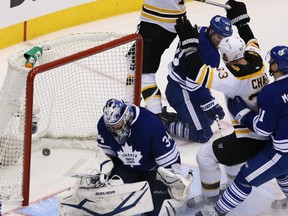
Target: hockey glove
238 13
238 108
188 35
178 179
94 171
213 109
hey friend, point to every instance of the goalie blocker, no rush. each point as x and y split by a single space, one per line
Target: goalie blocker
178 179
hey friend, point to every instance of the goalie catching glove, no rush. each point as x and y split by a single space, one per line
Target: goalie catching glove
177 179
93 171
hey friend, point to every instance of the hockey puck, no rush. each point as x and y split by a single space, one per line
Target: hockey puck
46 152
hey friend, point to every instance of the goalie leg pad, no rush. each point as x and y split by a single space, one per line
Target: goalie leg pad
69 197
126 199
170 207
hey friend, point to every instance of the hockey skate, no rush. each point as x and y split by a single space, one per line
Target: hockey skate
280 204
201 200
207 211
167 117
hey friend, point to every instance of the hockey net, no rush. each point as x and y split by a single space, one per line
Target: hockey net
64 93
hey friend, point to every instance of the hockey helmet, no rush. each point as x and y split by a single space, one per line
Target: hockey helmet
221 25
117 118
232 47
279 55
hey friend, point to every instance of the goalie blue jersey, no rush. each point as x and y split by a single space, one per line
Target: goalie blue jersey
149 145
273 113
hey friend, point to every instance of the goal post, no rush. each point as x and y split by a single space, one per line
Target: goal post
68 86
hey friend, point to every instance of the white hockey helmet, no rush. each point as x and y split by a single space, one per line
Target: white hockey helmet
233 47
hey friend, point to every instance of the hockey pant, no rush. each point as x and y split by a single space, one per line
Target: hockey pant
230 150
266 165
193 124
156 41
261 168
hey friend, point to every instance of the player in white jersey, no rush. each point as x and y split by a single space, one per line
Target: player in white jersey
270 121
244 73
157 21
163 13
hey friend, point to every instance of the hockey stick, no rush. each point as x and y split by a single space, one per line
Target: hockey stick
219 126
215 3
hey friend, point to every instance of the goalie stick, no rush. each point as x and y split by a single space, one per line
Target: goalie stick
214 3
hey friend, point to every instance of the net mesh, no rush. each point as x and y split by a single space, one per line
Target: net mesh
68 99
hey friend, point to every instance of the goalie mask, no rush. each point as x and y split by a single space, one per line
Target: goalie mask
117 118
232 48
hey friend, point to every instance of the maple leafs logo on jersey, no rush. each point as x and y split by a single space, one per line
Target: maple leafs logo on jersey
128 156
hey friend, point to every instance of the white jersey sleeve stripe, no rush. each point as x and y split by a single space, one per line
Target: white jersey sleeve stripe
156 18
165 11
258 130
107 150
168 158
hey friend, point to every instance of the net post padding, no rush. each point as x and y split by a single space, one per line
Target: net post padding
136 38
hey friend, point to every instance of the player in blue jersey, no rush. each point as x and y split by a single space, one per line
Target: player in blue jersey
138 144
195 106
244 73
271 120
158 18
210 37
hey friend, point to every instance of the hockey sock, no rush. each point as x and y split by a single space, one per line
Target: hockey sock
235 194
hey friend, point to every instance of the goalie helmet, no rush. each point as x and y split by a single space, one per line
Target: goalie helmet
279 55
221 25
232 47
117 118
